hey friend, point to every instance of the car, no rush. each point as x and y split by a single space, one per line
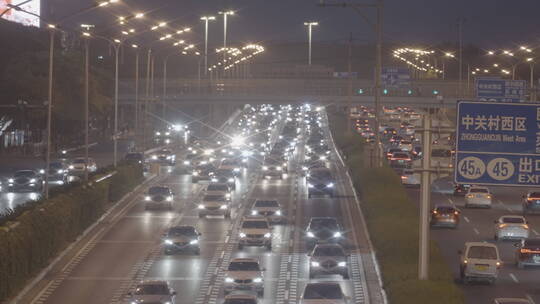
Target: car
322 230
158 197
58 172
78 166
328 259
151 291
528 253
218 189
203 171
531 203
322 293
320 181
269 208
244 274
255 231
25 181
511 227
224 176
234 164
461 189
240 298
181 239
164 157
134 157
479 261
391 151
445 216
405 145
272 168
400 160
511 301
214 205
308 165
409 178
478 196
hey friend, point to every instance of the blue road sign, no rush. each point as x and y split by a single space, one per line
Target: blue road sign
498 144
494 89
396 77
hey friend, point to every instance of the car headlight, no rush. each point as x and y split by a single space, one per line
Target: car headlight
154 156
167 302
236 169
33 180
257 280
147 198
169 242
304 168
330 185
310 234
337 234
186 162
214 180
310 185
242 235
71 167
254 212
228 195
229 280
201 206
265 168
167 141
230 180
278 212
169 198
315 264
195 173
279 168
342 264
193 242
268 235
11 180
41 171
223 207
60 171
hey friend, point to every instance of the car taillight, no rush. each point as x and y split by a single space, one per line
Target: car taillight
488 196
502 225
435 212
470 195
525 251
403 177
456 213
525 226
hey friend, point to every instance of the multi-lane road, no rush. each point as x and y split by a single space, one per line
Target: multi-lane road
127 246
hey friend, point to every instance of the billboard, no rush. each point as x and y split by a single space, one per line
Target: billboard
31 6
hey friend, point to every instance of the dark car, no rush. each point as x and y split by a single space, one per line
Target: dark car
181 239
445 216
323 230
165 157
159 197
203 172
135 157
528 253
25 181
461 189
320 181
273 168
531 203
58 172
224 176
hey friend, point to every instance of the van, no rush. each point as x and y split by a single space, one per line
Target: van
479 262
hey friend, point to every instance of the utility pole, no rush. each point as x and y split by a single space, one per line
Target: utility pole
86 106
460 36
148 56
49 109
310 32
349 88
378 5
423 257
136 95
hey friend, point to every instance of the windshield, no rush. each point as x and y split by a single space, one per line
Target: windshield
25 174
400 155
323 291
266 204
328 251
482 252
513 220
216 187
317 224
478 190
321 174
244 266
153 289
182 231
446 209
158 191
239 301
255 225
79 161
229 162
57 165
214 198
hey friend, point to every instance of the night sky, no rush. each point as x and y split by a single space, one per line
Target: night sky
489 23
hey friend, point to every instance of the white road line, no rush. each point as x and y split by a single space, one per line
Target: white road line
535 232
466 219
514 277
476 231
451 201
529 298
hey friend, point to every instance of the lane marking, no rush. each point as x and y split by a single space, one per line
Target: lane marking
476 231
451 201
529 298
466 219
535 232
513 277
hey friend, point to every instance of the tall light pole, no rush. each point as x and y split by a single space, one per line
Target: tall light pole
310 26
225 14
117 46
49 107
136 47
87 35
206 19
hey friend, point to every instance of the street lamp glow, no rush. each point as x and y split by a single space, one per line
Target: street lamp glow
117 40
530 59
139 15
238 140
491 53
134 46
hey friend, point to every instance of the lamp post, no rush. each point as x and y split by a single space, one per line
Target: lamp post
49 107
225 14
136 47
206 19
86 34
310 28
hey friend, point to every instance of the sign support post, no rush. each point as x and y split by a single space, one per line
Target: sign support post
423 257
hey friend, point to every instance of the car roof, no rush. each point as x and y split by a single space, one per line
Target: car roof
244 260
254 218
241 296
483 244
153 282
328 246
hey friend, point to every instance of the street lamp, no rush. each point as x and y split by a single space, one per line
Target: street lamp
86 34
310 26
52 31
206 19
225 14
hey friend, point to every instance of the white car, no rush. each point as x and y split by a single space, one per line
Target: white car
511 227
79 164
479 261
255 231
270 209
409 178
244 274
478 197
152 292
214 205
323 293
218 189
